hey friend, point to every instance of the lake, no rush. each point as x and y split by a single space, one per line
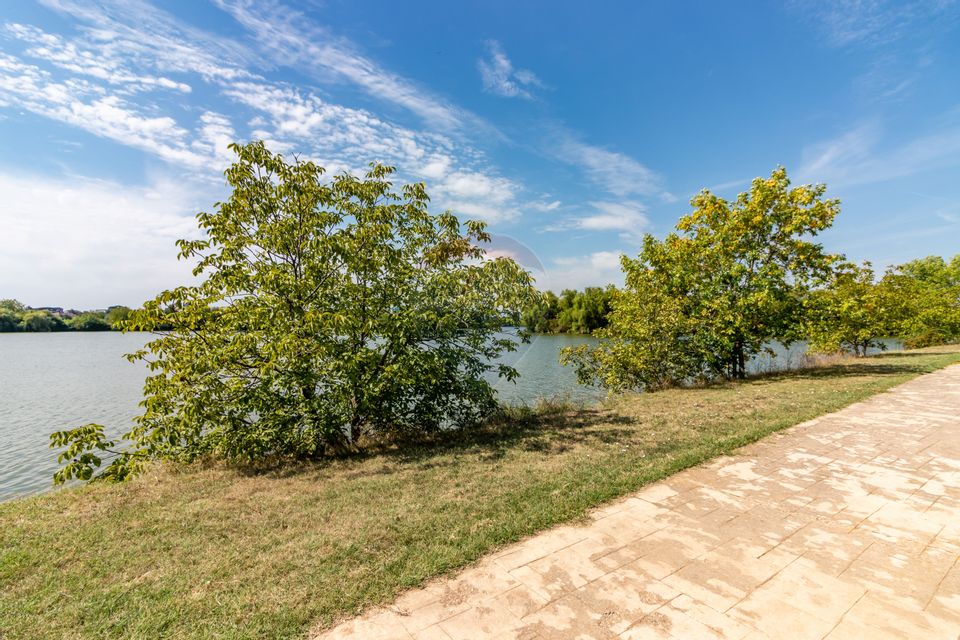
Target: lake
55 381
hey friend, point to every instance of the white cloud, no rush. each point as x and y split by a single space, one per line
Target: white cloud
288 119
501 78
84 243
627 216
97 243
139 33
437 167
472 194
615 172
834 158
592 270
545 205
84 105
98 62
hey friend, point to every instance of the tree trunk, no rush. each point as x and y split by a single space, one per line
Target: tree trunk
738 369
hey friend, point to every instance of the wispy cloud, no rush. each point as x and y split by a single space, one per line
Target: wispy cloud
875 22
477 195
501 78
544 205
97 81
859 156
87 106
615 172
100 63
627 217
896 38
293 40
142 34
835 159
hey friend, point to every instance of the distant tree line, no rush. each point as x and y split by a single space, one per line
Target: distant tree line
16 317
570 312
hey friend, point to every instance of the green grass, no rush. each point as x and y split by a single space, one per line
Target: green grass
221 553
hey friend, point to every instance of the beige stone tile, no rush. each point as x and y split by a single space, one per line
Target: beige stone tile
805 587
568 617
849 630
536 582
481 621
565 571
710 582
379 625
455 598
902 617
778 620
664 556
520 601
721 625
539 546
431 633
884 569
624 596
655 493
624 526
668 622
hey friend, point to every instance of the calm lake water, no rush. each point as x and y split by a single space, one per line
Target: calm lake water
55 381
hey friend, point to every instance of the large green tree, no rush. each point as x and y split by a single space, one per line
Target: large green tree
927 291
327 311
570 312
90 321
699 303
117 315
11 311
853 312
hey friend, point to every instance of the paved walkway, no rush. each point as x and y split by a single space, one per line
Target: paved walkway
847 526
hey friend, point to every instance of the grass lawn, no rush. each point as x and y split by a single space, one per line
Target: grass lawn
220 553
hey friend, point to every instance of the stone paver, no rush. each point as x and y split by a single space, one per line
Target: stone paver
847 526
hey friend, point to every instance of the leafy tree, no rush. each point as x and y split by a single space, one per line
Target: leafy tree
117 315
12 306
853 313
699 303
328 312
572 312
89 321
11 314
927 292
933 270
39 321
538 317
9 322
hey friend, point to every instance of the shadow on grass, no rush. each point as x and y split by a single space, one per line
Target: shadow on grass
555 427
548 429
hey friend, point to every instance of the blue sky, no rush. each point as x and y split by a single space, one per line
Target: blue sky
573 129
